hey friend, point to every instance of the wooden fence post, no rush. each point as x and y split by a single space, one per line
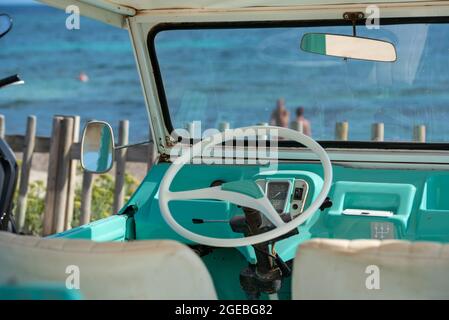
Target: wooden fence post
192 128
2 126
377 132
151 155
119 192
51 177
62 179
262 136
72 175
419 133
151 150
342 131
222 126
27 159
86 198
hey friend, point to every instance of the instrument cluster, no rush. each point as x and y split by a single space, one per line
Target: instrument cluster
287 196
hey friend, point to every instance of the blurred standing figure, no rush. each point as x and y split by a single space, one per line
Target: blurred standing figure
302 124
280 116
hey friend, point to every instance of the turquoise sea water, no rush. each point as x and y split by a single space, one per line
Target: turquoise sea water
237 76
50 58
223 75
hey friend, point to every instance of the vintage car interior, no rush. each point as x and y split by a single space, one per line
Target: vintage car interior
314 215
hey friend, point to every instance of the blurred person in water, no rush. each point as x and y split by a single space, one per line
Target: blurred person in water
280 115
83 77
301 123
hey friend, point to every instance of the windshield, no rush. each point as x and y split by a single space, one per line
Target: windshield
247 76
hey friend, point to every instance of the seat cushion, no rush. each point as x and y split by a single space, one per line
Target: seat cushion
159 269
344 269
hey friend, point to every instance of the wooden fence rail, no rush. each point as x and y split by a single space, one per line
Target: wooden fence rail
64 149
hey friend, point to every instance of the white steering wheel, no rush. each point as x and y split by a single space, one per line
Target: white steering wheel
244 193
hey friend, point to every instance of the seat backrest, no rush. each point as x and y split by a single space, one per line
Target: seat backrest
370 269
158 269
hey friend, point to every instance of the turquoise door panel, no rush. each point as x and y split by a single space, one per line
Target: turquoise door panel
113 228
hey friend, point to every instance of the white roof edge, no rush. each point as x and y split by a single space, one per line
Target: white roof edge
115 12
140 5
132 7
104 11
117 8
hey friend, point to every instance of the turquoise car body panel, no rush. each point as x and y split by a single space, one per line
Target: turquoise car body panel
39 291
113 228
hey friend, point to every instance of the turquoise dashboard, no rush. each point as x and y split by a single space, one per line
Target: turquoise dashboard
413 204
366 204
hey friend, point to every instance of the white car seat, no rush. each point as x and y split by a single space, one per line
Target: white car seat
371 269
159 269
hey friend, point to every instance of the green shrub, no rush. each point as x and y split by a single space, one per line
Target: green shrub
102 197
35 208
101 205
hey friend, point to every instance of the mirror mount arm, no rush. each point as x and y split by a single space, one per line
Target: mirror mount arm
353 17
133 144
10 81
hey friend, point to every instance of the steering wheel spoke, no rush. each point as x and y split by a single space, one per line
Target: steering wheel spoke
216 193
195 194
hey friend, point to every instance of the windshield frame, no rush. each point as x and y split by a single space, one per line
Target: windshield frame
335 144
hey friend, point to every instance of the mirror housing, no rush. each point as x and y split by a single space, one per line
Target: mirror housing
5 24
351 47
97 147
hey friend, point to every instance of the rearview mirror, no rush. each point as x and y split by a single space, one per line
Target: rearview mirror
5 24
97 147
348 47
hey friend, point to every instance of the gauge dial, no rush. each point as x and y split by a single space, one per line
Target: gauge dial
277 193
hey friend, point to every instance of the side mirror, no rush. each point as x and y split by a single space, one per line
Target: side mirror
5 24
97 147
348 47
